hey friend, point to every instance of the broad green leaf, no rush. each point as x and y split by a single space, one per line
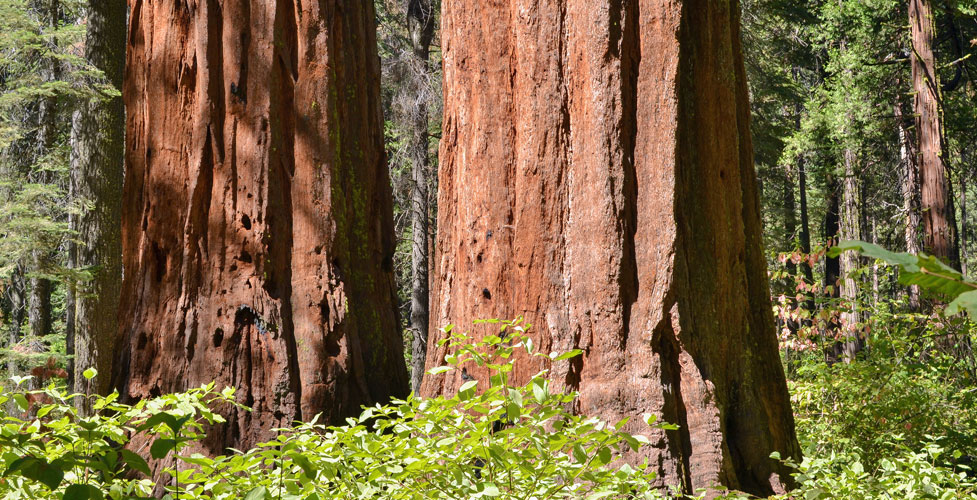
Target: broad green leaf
539 392
89 373
567 355
258 493
579 454
136 462
161 447
516 397
303 462
490 490
965 302
20 464
923 270
21 401
82 492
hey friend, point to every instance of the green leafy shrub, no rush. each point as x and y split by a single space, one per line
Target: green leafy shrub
516 442
907 474
899 420
48 450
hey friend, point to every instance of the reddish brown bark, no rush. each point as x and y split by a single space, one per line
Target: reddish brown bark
939 225
910 192
257 231
597 177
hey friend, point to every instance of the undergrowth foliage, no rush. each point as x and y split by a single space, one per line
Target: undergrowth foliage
514 442
899 420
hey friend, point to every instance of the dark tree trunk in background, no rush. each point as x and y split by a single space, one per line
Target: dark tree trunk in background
597 177
805 234
15 295
39 297
910 191
420 27
832 265
790 216
790 233
98 149
964 233
805 230
257 218
39 319
939 226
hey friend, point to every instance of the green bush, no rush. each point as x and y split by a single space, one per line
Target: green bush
507 442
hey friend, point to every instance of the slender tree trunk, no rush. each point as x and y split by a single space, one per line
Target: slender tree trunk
15 294
876 295
790 235
832 266
257 224
850 228
597 176
805 230
420 26
939 227
790 215
910 193
964 233
98 148
39 300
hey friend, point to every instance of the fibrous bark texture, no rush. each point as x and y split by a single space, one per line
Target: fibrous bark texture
420 27
910 191
850 229
596 176
39 318
98 148
257 224
939 226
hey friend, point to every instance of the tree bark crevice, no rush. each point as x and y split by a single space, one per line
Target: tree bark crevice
643 213
263 261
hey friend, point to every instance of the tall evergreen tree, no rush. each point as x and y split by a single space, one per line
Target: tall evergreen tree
257 231
939 219
597 176
97 156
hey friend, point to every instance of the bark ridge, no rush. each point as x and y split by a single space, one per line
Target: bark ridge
596 177
257 230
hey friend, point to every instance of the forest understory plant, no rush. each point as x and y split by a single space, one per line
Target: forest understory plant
503 441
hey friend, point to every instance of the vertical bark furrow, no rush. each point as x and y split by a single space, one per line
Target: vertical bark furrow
257 229
635 222
939 224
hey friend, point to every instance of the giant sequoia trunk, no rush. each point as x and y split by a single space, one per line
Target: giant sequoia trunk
98 148
939 226
257 228
596 176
